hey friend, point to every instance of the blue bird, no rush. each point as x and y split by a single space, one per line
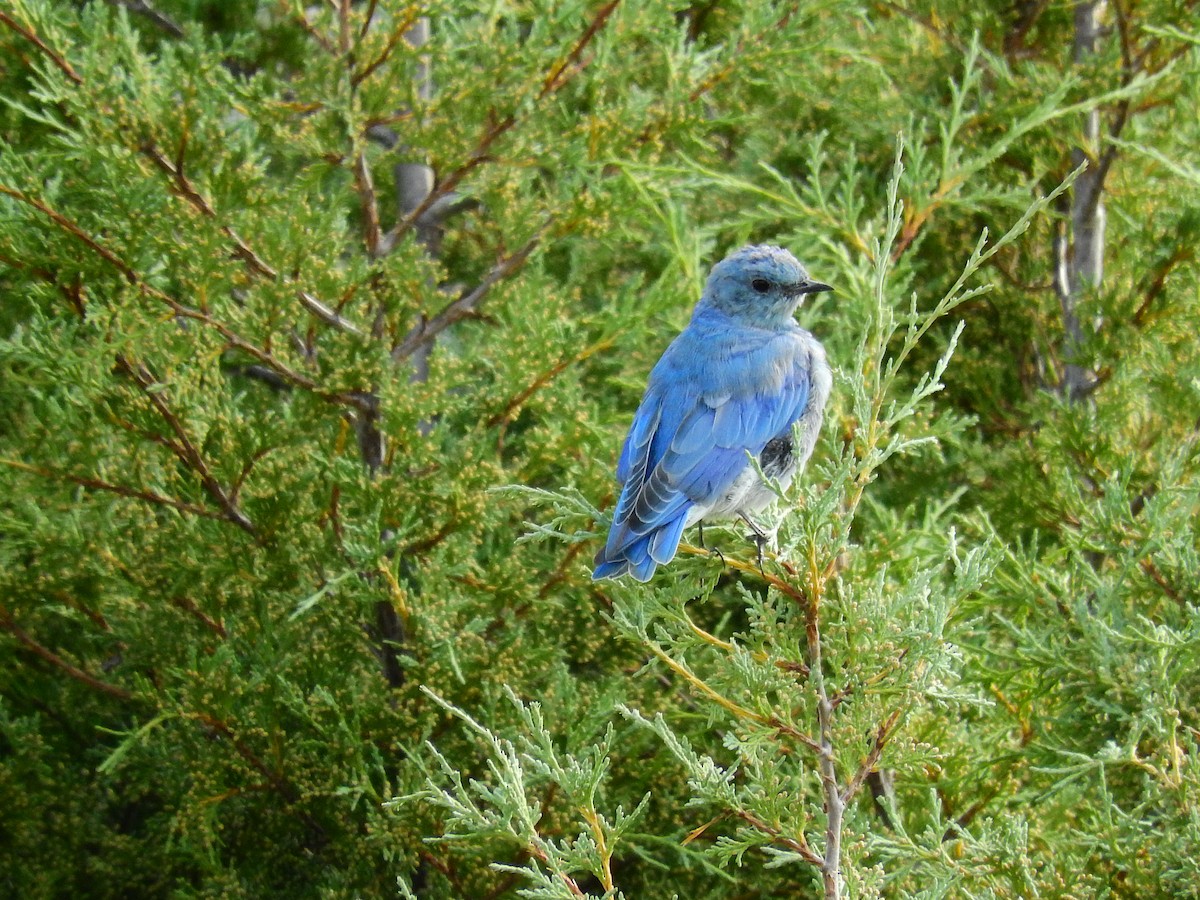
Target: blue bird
733 383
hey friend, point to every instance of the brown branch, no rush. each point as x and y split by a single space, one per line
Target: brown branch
566 879
560 571
368 18
734 57
54 57
276 780
1148 566
839 697
247 467
558 77
9 624
465 306
393 42
1028 12
731 706
495 129
97 484
799 846
182 187
481 154
74 292
510 408
786 588
365 185
344 398
343 15
73 229
190 607
1159 282
428 543
882 735
308 26
184 448
928 24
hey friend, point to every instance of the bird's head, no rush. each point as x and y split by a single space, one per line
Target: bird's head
760 285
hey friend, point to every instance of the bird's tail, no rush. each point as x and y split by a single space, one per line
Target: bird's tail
639 554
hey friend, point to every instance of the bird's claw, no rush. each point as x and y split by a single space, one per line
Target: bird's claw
720 555
760 541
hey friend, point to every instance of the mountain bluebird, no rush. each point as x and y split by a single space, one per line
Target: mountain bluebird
733 383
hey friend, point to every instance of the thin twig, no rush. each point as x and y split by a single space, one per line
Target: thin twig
190 607
344 398
97 484
184 188
275 778
72 228
9 624
394 40
466 305
185 449
144 9
511 407
731 706
1158 281
495 129
882 735
557 77
316 35
365 185
492 132
799 846
53 56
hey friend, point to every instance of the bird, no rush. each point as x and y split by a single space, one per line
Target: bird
729 387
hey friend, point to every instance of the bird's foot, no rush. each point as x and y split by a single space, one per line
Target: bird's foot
712 551
716 551
760 539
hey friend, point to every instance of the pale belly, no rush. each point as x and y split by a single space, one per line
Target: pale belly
748 494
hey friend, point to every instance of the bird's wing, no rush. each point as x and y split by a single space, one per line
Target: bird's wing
688 444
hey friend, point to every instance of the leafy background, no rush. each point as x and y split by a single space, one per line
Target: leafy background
321 327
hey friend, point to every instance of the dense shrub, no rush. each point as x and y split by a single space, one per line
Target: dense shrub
320 328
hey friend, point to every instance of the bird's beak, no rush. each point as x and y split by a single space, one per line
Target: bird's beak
809 287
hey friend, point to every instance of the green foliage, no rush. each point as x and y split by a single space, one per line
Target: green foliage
300 475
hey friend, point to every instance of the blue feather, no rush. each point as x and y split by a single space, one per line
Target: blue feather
731 382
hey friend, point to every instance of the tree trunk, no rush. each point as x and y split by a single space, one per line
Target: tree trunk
1080 258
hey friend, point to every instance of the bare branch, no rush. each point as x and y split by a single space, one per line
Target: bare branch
184 188
190 607
184 448
510 408
144 9
465 306
481 154
558 75
365 185
9 624
394 39
98 484
316 35
882 735
796 845
73 229
497 128
53 56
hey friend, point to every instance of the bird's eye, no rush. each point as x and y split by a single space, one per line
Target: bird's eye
761 285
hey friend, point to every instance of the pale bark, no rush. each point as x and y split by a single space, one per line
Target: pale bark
1079 257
